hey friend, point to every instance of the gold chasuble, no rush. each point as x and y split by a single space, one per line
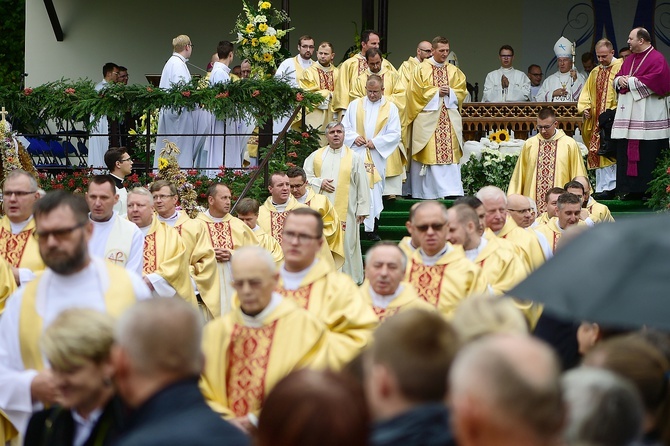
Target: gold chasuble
271 220
405 246
552 232
20 250
203 268
332 225
243 362
268 243
7 283
436 134
502 266
349 70
526 243
446 283
406 72
598 95
334 299
599 212
229 233
407 299
546 163
165 255
321 80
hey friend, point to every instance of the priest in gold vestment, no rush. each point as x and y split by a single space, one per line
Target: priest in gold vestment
438 270
165 263
202 260
250 349
226 234
321 78
17 244
384 289
597 96
330 295
569 208
247 210
434 97
549 159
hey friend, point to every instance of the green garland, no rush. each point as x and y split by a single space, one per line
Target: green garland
77 101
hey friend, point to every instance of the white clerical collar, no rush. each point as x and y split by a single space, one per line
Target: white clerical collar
335 151
292 280
257 321
322 66
507 69
256 228
172 220
432 260
614 59
302 199
145 229
104 223
472 254
558 226
215 219
92 417
20 226
437 63
382 301
417 59
369 103
280 207
306 63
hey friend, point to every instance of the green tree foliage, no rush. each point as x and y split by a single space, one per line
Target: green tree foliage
12 41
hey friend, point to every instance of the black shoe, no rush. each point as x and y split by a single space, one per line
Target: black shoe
372 236
632 196
605 195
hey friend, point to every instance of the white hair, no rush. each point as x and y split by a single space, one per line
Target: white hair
143 192
491 192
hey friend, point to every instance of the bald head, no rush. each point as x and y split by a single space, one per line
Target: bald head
513 381
520 209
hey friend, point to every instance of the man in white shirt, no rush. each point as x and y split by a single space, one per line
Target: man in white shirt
98 145
535 77
506 84
114 238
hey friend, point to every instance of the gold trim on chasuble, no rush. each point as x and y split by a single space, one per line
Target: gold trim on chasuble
277 220
602 83
385 313
299 296
557 237
444 150
362 65
326 80
150 257
220 234
248 358
427 281
546 169
12 246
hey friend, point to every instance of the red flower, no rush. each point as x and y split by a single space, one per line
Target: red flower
220 174
27 91
305 135
134 178
198 183
299 97
152 175
69 90
225 94
668 171
203 195
192 172
295 142
85 181
290 164
292 155
150 90
70 183
667 189
255 93
186 94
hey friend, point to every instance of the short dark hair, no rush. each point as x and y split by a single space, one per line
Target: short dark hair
305 37
573 185
546 112
160 184
471 201
211 190
623 48
439 39
365 35
568 198
328 44
247 206
103 179
112 155
296 171
530 67
372 52
313 213
506 47
643 34
552 191
224 49
57 198
278 173
588 56
108 68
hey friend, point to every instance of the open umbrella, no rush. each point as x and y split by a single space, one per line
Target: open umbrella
616 274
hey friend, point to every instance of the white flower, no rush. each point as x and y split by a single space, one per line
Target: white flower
260 19
239 37
271 31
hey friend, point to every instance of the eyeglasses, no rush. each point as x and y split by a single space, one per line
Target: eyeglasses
189 44
163 197
301 238
18 193
433 226
59 234
126 159
374 91
546 127
426 51
521 211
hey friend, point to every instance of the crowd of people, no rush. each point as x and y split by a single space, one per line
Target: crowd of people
127 321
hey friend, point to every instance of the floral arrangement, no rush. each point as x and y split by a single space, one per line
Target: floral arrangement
76 181
492 169
168 169
13 154
258 36
499 136
140 141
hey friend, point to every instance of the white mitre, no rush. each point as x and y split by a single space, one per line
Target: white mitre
563 48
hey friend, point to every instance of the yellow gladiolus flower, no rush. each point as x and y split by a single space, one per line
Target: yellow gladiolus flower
263 27
254 42
267 57
265 5
162 163
250 27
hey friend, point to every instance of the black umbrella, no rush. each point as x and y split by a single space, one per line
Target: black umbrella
616 274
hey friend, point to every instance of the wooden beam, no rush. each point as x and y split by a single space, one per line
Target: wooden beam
383 24
53 18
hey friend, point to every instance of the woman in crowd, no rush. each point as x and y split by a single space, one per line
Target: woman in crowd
77 345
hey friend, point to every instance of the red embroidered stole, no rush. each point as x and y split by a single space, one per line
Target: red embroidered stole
248 358
220 234
326 80
299 296
546 170
277 220
443 143
602 84
12 246
362 65
385 313
427 281
150 256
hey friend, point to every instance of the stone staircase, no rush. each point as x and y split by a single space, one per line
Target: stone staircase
395 213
